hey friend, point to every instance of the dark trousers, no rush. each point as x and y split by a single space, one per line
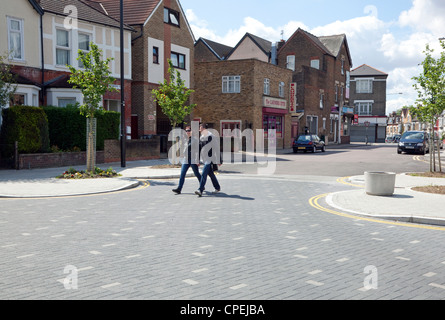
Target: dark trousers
208 171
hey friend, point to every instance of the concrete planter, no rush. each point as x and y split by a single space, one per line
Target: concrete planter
380 183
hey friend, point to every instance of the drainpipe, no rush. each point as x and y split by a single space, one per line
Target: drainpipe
42 92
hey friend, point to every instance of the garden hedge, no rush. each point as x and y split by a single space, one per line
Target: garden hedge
28 126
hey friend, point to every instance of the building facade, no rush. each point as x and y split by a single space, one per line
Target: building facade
320 67
368 96
42 37
162 33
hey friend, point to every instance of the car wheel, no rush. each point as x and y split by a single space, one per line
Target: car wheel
323 149
399 151
295 151
314 149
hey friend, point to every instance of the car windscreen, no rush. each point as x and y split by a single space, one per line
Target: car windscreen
413 135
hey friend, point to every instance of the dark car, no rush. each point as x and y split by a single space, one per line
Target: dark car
308 142
414 142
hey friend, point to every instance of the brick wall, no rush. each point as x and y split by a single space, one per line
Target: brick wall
135 150
214 106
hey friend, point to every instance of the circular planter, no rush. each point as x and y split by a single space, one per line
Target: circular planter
380 183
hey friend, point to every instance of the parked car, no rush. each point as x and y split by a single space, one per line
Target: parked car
308 142
414 142
393 138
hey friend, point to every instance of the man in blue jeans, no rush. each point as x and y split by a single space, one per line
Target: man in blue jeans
206 138
191 159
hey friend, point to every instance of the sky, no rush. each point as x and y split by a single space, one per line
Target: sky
389 35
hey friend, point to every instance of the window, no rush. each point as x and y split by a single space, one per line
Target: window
321 100
364 108
63 102
178 60
63 51
281 89
266 87
19 99
156 55
342 66
315 63
273 122
290 62
84 45
364 86
171 17
336 93
15 35
231 84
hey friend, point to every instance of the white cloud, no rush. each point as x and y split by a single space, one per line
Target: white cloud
425 15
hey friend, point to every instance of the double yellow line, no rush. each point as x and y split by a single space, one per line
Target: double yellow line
314 202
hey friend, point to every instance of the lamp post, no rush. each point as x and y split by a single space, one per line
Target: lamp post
123 125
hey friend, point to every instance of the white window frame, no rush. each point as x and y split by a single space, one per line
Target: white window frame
281 86
22 41
364 85
65 99
68 49
364 108
321 100
231 84
83 50
290 62
315 63
266 87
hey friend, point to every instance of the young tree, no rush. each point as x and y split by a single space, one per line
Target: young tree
94 81
7 83
172 97
430 86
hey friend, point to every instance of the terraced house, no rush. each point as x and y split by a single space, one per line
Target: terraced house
162 33
42 37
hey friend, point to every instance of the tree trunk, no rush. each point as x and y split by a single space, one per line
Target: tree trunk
91 144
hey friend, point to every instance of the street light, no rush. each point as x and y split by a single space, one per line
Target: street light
123 126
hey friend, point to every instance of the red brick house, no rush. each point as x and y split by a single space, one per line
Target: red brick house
162 32
242 89
320 67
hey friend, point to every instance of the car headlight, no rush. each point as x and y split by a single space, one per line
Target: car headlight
401 144
420 144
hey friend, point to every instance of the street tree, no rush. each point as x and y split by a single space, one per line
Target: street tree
430 104
93 80
7 83
172 96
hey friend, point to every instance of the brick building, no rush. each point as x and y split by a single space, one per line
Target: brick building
44 36
162 33
244 92
320 67
368 96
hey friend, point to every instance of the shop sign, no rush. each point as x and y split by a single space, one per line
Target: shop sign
293 97
274 103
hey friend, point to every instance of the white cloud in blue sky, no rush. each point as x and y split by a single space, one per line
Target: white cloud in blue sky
389 35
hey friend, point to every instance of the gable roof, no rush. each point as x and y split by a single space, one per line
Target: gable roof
136 12
219 50
263 44
334 44
85 12
365 70
315 40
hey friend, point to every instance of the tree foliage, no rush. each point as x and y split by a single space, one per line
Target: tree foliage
93 79
172 97
7 83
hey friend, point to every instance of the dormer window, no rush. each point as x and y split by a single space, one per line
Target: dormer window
171 17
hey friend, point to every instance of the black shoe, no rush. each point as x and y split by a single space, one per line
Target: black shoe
198 192
177 191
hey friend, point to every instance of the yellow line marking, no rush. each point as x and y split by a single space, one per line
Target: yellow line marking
315 204
343 181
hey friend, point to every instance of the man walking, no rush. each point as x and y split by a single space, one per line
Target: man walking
205 139
190 159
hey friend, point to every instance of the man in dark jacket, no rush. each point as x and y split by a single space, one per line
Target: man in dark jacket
208 159
190 159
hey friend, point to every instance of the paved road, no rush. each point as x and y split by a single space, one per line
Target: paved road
260 239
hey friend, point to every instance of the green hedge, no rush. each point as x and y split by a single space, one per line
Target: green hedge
67 127
28 126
